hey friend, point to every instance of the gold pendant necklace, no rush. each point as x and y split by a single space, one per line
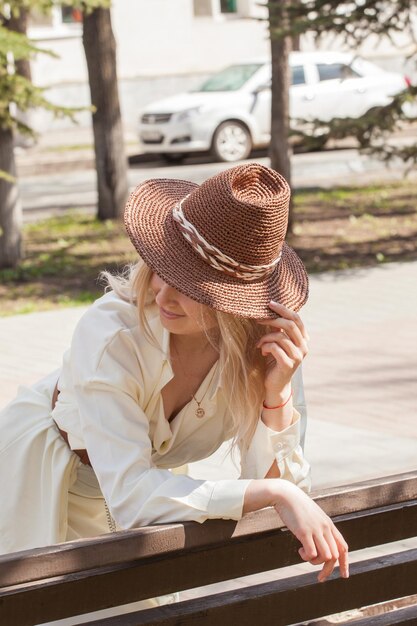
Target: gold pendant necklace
199 412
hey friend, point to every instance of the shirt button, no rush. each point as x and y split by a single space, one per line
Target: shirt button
280 445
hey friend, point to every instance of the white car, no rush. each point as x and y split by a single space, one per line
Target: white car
230 113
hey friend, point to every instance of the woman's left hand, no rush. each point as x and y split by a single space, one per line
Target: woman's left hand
285 346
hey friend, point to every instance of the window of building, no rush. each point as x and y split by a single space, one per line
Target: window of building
60 21
216 8
71 16
228 6
332 71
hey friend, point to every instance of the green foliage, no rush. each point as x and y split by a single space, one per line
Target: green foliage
17 89
8 178
21 47
88 5
354 22
15 6
372 130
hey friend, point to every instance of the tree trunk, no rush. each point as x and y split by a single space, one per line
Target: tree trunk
10 207
11 249
19 24
280 150
295 42
111 162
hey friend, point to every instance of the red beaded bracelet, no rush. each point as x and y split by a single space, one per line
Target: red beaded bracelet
271 408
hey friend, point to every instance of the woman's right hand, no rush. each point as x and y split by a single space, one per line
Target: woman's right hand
321 542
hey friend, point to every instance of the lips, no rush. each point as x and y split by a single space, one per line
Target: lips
169 315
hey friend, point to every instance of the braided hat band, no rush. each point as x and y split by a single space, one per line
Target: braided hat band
215 257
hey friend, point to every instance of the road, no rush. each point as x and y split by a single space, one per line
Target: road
52 193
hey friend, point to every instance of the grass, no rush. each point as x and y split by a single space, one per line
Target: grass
63 258
340 228
350 227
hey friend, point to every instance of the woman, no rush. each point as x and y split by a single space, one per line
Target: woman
200 343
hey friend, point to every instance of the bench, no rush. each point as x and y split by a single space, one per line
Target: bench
91 574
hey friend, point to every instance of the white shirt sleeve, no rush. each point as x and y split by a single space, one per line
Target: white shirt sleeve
284 447
116 433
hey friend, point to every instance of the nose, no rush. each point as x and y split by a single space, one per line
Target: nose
165 294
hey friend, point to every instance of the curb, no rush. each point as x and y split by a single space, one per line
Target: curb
37 165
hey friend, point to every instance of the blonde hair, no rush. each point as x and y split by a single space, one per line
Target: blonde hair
241 364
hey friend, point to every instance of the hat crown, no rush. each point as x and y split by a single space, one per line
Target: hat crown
243 212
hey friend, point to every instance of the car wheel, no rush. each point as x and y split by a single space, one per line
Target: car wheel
173 157
231 142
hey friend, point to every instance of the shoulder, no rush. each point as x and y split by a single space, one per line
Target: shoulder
110 327
106 317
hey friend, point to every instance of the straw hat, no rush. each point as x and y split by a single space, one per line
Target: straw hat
220 243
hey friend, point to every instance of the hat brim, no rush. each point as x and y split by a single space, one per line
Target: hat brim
153 232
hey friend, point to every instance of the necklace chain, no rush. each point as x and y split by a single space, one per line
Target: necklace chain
199 412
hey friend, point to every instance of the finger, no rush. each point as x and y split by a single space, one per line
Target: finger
308 551
295 352
323 548
344 563
287 313
317 561
280 356
331 542
327 569
325 551
340 540
343 553
292 330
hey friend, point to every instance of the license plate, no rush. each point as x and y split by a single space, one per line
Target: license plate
151 135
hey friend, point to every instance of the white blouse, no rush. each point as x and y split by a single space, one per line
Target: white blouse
110 403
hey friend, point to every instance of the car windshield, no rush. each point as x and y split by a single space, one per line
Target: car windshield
230 79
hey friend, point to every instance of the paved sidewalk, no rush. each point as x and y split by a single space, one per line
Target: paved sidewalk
360 376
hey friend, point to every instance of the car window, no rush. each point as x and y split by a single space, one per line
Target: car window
231 78
298 77
331 71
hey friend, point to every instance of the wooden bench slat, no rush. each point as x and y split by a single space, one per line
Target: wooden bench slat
81 592
406 615
366 612
275 603
67 558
